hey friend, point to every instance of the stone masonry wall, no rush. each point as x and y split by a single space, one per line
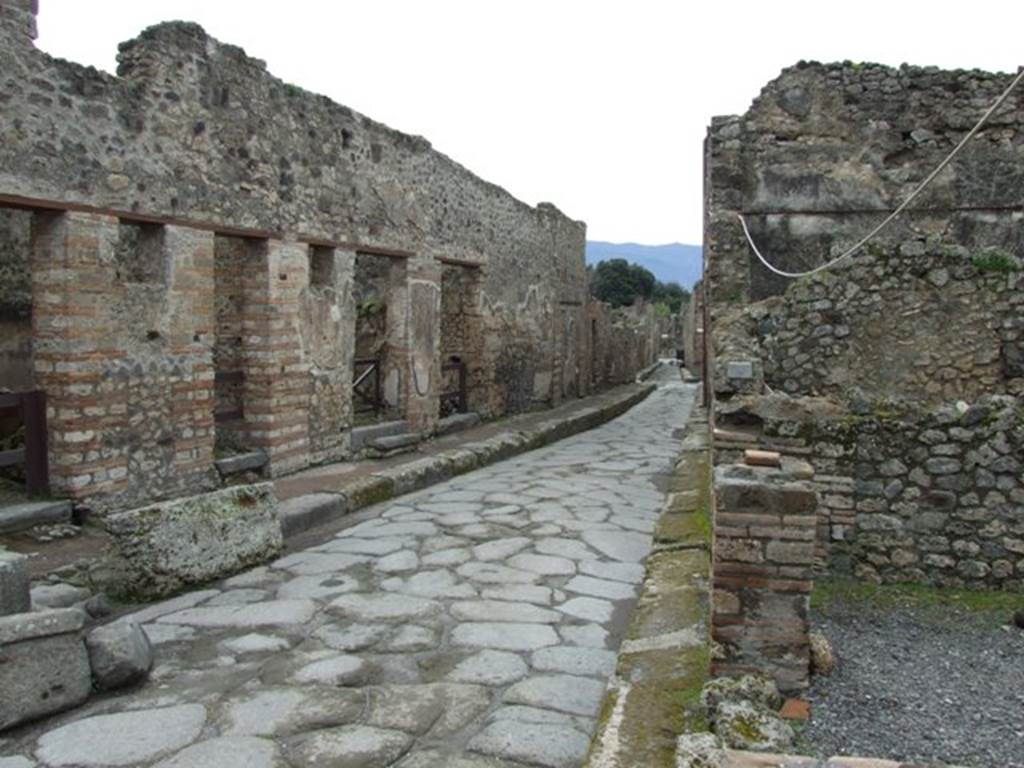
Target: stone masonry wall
267 195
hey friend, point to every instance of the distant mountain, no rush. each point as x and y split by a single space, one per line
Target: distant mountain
675 262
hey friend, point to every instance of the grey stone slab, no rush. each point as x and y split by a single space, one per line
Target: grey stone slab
45 665
124 738
490 668
411 638
520 593
501 610
119 655
438 708
588 609
228 752
302 513
564 693
376 530
628 573
312 563
447 557
431 584
56 595
17 761
159 549
588 635
266 614
356 637
625 546
492 573
574 660
342 669
255 642
545 565
553 746
14 584
397 562
242 462
356 546
500 549
20 517
280 711
159 634
385 607
610 590
504 636
564 547
322 587
352 746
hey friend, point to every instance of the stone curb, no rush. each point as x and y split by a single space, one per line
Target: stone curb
301 513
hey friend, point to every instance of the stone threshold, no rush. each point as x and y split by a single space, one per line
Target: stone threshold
319 497
665 658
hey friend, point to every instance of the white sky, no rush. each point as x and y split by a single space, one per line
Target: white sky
598 106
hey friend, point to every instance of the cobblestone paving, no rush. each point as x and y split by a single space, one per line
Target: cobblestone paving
473 624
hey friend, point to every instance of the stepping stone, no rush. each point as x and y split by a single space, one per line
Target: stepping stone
572 660
545 565
553 746
500 610
490 668
490 573
280 711
611 590
625 546
628 573
500 549
269 613
125 738
504 636
352 746
565 693
227 752
385 607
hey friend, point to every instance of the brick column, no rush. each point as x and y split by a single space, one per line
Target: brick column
74 346
764 546
190 338
276 391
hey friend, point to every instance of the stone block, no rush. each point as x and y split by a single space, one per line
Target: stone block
310 510
243 462
44 667
19 517
160 549
740 369
58 596
14 584
119 654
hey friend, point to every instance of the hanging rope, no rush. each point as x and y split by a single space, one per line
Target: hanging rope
906 203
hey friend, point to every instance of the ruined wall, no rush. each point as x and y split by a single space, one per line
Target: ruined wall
195 135
907 338
823 153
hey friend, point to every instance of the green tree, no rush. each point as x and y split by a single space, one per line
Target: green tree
620 283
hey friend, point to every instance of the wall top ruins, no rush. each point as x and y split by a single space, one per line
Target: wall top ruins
194 129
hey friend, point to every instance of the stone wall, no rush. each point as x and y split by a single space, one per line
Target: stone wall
199 227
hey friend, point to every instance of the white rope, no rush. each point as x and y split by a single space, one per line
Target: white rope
892 216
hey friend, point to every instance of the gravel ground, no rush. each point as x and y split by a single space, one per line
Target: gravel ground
920 684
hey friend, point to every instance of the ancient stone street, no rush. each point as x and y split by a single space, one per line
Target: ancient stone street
473 624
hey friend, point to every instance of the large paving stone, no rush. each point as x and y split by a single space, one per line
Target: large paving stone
564 547
564 693
500 549
430 584
160 549
45 666
574 660
588 609
504 636
343 669
610 590
125 738
227 752
312 563
491 573
500 610
267 614
519 593
397 562
619 545
385 607
490 668
628 573
553 746
352 746
279 711
352 638
256 643
545 565
319 587
440 708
